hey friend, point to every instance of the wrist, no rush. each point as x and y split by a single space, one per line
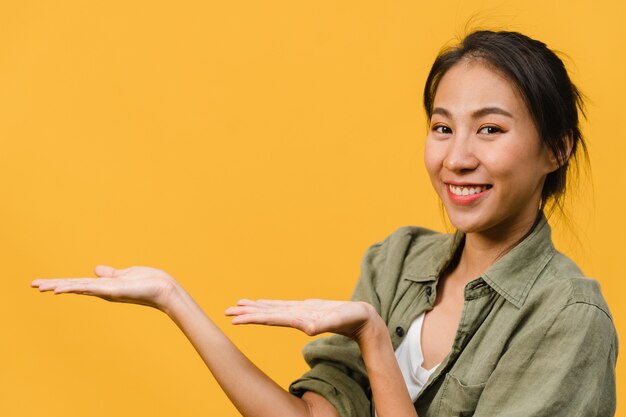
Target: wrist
373 328
172 295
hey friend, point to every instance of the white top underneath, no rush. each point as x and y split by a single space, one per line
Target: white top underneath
410 358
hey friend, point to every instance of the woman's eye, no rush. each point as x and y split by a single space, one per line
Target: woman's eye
490 130
442 129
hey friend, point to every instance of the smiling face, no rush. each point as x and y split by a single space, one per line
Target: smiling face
483 152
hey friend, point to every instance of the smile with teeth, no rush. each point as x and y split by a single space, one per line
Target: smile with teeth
467 190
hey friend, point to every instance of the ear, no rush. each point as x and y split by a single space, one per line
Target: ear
557 161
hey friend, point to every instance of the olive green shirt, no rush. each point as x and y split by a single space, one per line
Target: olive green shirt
535 338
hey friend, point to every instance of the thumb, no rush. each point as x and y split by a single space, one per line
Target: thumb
105 271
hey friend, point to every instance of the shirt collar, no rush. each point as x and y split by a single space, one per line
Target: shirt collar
438 257
512 276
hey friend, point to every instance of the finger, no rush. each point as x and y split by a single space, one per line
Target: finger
104 271
268 304
306 326
261 303
278 302
245 302
50 284
85 288
268 319
71 289
44 281
239 310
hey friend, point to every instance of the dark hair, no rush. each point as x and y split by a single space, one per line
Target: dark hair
540 76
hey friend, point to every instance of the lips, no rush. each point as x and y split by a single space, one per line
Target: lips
465 194
462 190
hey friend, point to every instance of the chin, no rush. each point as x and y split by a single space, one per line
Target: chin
465 228
466 223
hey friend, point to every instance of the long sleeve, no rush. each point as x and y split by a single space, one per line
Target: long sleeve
395 274
337 368
565 366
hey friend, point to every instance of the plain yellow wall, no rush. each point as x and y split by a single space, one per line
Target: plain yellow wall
246 147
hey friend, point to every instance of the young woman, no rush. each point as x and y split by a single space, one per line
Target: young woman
489 321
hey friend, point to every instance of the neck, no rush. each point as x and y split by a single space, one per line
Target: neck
483 249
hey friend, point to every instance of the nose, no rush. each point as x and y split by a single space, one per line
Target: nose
460 156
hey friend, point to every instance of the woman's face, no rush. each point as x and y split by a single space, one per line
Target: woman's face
483 152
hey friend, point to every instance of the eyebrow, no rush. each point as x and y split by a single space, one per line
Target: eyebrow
476 114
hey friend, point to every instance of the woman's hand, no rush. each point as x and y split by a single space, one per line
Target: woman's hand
137 285
357 320
233 371
348 318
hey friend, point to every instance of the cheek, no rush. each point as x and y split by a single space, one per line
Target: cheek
518 168
433 158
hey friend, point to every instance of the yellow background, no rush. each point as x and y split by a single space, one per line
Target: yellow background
248 148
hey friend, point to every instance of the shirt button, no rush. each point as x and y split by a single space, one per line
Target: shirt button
399 331
429 291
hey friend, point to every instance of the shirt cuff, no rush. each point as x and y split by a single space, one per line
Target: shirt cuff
338 388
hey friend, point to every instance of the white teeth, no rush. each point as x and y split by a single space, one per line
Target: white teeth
462 190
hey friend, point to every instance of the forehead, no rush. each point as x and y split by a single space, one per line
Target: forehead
470 85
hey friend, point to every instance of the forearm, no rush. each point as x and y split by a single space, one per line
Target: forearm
391 396
250 390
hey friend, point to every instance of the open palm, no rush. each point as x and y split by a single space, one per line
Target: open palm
311 316
137 285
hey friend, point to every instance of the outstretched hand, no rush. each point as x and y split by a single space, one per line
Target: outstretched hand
348 318
137 285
